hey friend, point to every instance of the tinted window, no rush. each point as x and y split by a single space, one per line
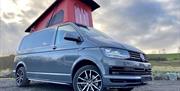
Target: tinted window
60 41
91 32
57 18
38 39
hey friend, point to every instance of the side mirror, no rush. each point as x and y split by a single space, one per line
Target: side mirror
72 37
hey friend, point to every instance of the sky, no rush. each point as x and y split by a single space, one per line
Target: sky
150 25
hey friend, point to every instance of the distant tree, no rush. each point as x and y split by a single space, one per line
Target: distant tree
159 51
163 51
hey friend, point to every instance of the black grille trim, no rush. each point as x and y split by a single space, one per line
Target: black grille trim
129 71
135 56
125 80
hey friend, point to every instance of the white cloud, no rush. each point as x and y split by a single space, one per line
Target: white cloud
147 24
12 10
15 17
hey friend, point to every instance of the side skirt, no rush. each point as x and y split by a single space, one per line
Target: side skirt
49 81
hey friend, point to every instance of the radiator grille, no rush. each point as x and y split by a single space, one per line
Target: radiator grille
137 56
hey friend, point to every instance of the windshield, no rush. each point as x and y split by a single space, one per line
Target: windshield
91 32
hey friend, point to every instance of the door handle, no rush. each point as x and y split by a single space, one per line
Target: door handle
54 47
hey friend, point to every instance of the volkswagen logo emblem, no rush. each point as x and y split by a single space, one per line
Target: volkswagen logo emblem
142 57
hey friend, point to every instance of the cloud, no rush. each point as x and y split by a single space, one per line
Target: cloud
10 36
13 22
147 24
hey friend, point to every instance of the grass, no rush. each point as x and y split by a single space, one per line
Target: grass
172 66
6 62
164 57
165 62
165 69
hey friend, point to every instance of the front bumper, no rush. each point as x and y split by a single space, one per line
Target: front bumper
125 73
125 81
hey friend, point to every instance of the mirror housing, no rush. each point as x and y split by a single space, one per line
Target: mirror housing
72 37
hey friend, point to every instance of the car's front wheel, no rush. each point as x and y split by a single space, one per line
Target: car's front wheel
88 78
21 78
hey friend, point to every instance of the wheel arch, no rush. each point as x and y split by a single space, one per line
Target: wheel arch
86 61
20 64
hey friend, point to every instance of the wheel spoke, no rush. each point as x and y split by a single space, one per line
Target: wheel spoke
95 87
95 77
81 83
92 88
90 74
17 74
85 87
86 76
96 81
22 74
21 80
82 78
17 79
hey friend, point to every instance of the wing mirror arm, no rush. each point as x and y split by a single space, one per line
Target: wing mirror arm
72 37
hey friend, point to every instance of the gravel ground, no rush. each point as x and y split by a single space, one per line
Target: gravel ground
9 85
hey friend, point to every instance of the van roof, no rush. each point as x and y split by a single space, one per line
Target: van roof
90 3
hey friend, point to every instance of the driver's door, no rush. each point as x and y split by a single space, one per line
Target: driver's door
65 53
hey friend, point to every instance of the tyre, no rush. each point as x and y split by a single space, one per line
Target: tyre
21 78
88 78
125 89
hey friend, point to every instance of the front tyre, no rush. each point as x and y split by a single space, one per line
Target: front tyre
88 78
21 78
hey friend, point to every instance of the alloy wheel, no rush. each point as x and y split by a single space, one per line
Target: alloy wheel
19 76
89 80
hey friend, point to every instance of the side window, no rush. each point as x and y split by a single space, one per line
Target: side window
57 18
60 41
38 39
44 38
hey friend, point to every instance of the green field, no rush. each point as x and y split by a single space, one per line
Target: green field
164 57
165 62
6 62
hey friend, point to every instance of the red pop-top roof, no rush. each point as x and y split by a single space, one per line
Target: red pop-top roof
58 3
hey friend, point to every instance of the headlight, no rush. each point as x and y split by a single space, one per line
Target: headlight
116 53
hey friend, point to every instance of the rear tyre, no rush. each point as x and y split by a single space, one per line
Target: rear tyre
88 78
21 78
125 89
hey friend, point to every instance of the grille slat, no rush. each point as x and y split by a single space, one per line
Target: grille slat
135 56
129 71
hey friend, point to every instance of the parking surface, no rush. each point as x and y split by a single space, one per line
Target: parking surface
9 85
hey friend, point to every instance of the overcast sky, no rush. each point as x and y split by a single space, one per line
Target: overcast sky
150 25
